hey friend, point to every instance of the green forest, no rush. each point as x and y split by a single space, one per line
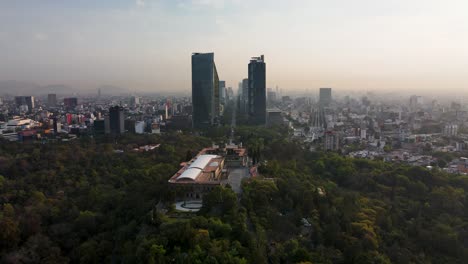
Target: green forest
84 202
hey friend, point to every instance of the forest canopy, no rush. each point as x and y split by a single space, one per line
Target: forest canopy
83 202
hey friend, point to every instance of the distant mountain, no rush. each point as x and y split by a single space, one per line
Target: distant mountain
17 87
13 87
56 88
111 89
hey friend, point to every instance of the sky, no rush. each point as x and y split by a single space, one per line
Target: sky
145 45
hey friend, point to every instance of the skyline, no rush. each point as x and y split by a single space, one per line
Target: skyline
146 45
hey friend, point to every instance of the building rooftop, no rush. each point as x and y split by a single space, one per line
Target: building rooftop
198 170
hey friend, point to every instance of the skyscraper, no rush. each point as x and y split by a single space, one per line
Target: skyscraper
222 92
25 100
245 95
70 102
52 100
134 101
325 96
332 141
416 103
205 90
257 91
116 120
271 96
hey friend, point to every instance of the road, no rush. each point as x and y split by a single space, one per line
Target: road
236 174
235 178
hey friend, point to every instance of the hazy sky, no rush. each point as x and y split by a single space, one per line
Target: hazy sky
146 44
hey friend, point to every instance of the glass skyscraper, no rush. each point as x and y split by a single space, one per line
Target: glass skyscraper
257 91
205 90
116 120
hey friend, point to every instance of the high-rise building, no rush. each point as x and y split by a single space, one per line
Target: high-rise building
99 127
271 96
222 92
134 101
450 130
57 125
325 96
230 93
416 102
25 100
245 95
70 102
205 90
332 141
257 91
116 120
52 100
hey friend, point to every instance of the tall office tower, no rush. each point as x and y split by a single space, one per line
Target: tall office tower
116 120
134 101
245 95
332 141
205 90
25 100
257 90
99 92
230 93
271 96
70 102
52 100
325 96
416 102
222 92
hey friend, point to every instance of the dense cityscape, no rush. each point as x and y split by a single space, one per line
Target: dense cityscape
419 131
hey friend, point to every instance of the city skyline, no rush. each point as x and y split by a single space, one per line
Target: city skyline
145 45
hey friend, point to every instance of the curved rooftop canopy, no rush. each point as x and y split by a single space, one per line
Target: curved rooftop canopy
189 174
196 167
202 161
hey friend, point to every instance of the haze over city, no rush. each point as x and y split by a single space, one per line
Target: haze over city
146 45
234 131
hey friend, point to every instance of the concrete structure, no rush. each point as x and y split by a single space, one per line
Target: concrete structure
222 92
271 96
205 90
52 100
245 96
116 120
140 127
198 176
450 130
332 141
210 168
274 117
416 103
134 101
235 155
325 96
257 91
25 100
70 102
